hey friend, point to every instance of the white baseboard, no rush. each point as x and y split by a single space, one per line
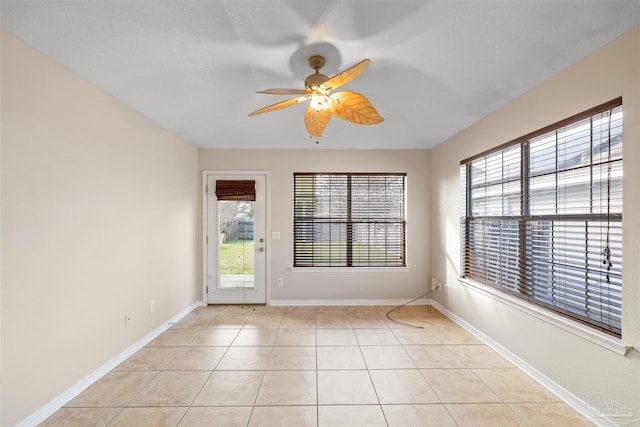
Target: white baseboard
345 302
47 410
570 399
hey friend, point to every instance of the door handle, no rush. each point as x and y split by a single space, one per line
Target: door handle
261 249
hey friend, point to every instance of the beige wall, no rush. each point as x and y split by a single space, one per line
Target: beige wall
337 286
99 216
579 366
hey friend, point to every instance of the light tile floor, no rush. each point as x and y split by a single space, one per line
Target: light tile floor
315 366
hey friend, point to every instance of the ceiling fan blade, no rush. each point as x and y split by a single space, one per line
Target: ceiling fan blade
285 91
354 107
316 121
280 105
345 76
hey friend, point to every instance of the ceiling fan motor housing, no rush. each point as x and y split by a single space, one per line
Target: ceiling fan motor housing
315 79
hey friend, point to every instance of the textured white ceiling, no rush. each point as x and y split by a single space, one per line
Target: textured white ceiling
436 66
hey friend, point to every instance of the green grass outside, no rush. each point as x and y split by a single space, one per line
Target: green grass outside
236 257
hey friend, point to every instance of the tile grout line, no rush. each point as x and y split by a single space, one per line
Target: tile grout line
264 373
317 376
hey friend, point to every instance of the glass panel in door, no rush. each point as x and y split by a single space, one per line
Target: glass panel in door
237 245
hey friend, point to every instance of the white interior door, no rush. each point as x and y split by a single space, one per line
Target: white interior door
236 243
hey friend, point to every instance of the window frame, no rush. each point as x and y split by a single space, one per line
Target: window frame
306 220
521 288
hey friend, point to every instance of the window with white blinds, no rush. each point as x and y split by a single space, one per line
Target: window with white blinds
541 217
349 220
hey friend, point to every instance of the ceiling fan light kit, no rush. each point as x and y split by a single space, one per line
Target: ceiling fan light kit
347 105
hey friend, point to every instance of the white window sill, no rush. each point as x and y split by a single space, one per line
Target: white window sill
600 338
349 269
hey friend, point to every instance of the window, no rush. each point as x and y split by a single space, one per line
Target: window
349 220
541 217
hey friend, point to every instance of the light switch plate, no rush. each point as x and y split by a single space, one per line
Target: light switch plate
275 235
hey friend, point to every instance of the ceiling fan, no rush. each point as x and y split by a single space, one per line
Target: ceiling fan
345 104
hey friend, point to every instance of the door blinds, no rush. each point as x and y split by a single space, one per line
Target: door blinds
542 217
238 190
349 220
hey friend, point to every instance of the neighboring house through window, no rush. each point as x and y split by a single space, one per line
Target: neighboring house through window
541 217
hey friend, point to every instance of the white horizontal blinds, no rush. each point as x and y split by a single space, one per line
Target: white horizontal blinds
543 217
495 184
349 220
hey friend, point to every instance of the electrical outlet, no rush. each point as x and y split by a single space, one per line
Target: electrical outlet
152 306
127 320
280 281
434 284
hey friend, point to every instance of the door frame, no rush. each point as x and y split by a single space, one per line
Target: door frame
204 226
